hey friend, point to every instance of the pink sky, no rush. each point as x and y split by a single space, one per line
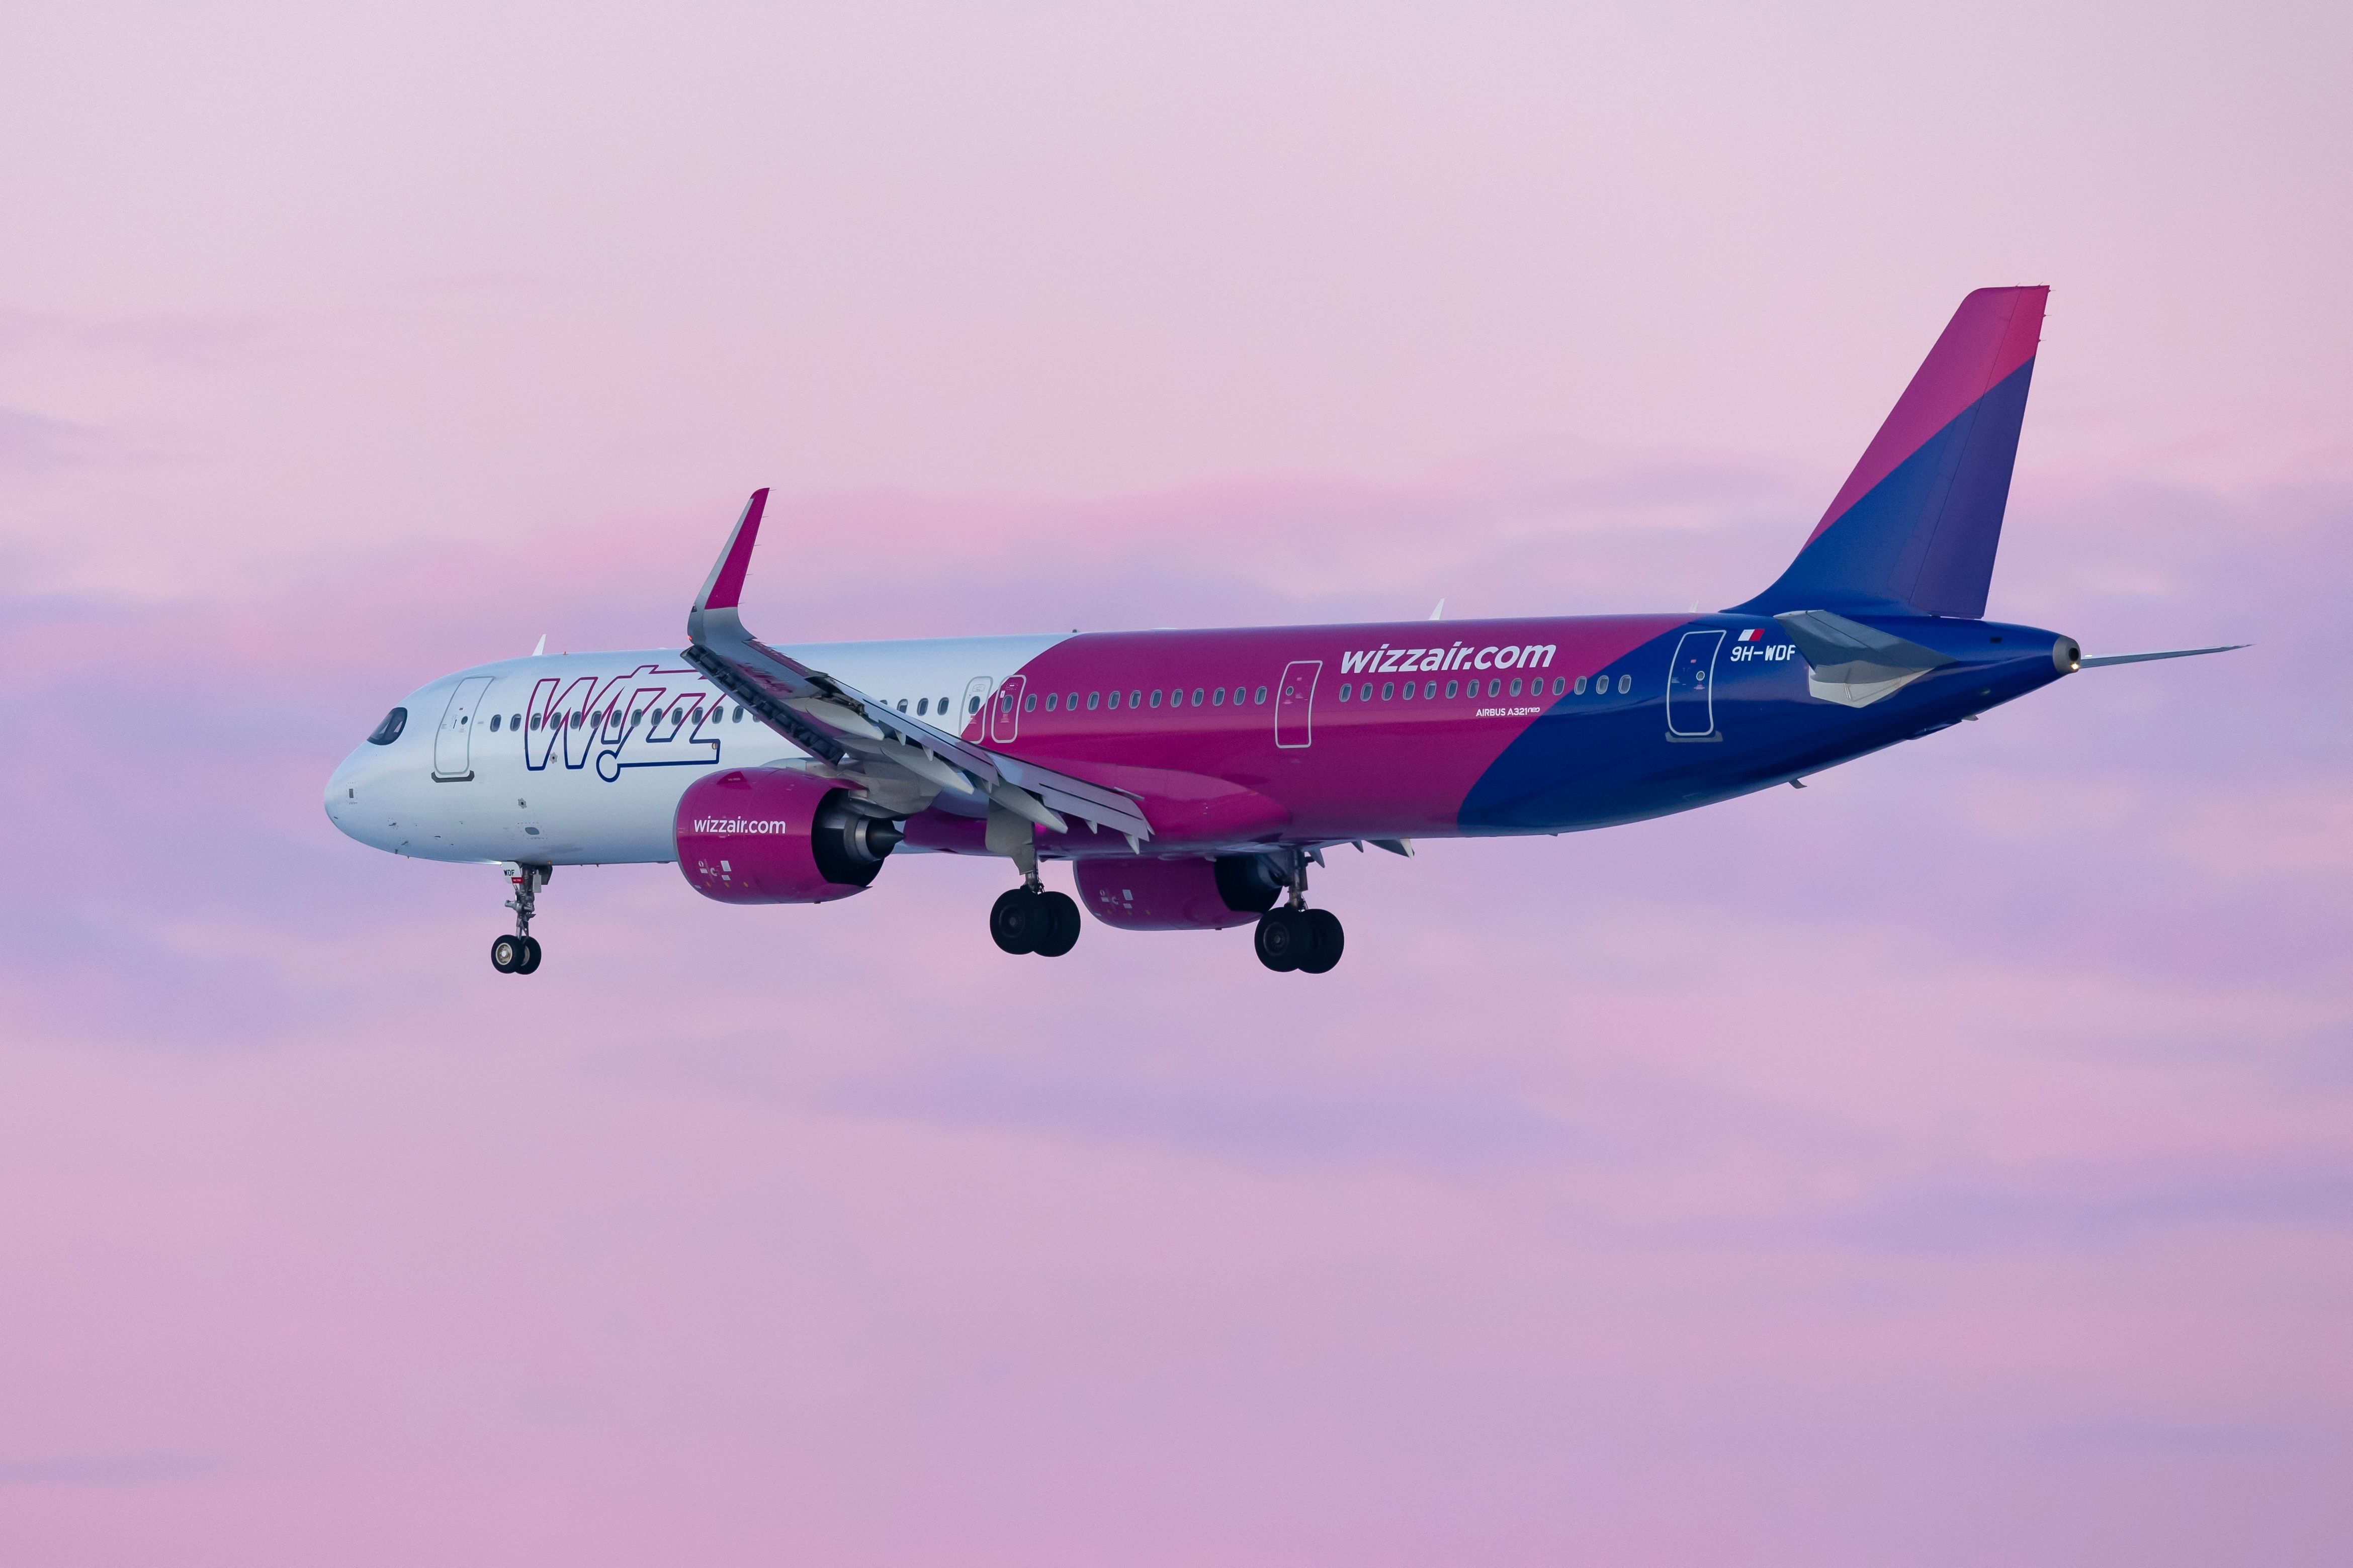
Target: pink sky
1947 1164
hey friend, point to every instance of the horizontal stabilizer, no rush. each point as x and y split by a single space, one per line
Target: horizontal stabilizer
1851 664
2172 653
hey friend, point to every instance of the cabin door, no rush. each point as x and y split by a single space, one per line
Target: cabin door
1691 686
453 742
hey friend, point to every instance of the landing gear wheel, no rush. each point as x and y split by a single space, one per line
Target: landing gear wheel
1281 940
507 954
529 956
1324 951
1062 926
1020 920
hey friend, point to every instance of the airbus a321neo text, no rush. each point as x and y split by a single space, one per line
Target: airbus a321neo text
1191 778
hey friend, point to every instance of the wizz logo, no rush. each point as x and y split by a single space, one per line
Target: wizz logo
621 720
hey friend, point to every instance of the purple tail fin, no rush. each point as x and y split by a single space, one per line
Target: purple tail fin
1913 528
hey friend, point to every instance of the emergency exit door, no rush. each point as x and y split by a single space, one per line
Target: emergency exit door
1294 704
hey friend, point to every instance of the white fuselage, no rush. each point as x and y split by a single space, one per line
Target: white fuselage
464 780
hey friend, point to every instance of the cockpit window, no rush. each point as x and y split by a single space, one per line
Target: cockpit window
389 730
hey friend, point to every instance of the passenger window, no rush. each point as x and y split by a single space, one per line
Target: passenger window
1114 700
1134 697
972 705
1155 697
1198 695
1559 685
1053 700
1260 701
1495 687
1344 690
1515 686
923 706
1029 703
1072 702
739 717
942 706
1217 698
1580 686
1625 684
902 705
495 723
385 734
1450 689
1388 690
1094 700
1408 692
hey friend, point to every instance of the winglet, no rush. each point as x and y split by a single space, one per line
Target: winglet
714 609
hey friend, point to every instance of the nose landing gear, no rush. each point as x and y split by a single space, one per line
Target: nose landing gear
519 953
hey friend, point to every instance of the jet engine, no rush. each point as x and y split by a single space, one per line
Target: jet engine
770 836
1139 893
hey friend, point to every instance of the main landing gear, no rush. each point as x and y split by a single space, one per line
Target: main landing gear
519 953
1295 937
1027 918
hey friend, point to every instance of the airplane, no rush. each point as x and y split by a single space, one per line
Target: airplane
1192 778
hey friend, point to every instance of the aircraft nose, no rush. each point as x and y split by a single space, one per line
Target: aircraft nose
343 788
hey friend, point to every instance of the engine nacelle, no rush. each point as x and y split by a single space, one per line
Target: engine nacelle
1139 893
769 836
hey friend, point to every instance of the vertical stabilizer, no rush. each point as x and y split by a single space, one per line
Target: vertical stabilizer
1913 528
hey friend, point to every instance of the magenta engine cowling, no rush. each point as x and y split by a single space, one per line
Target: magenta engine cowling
768 836
1137 893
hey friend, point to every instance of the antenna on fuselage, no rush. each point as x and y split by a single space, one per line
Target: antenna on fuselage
542 647
1438 614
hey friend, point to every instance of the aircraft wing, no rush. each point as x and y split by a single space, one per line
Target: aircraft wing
858 736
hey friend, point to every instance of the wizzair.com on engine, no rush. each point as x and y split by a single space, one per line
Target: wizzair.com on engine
1193 779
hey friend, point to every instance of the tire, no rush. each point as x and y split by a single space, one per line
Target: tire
530 957
1281 940
1019 920
507 954
1328 941
1062 926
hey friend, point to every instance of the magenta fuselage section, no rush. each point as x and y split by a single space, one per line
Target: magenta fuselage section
1296 734
1263 735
